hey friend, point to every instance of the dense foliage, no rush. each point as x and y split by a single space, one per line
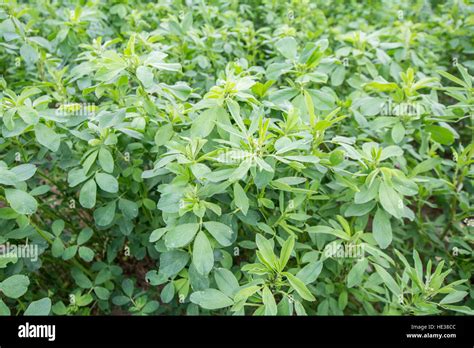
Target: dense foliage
249 157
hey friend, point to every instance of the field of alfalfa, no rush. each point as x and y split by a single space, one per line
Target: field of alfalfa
253 157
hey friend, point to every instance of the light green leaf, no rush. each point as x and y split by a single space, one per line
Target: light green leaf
106 160
221 232
309 273
398 132
29 54
287 47
40 307
269 302
391 151
226 281
181 235
107 182
163 134
129 208
299 286
266 251
388 280
240 198
440 134
88 193
382 229
355 276
338 75
203 125
391 200
24 171
105 215
454 297
47 137
203 255
15 286
286 251
85 253
21 201
211 299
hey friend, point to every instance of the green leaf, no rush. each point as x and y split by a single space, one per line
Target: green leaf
211 299
40 307
309 273
4 310
203 255
299 286
245 292
164 134
102 293
145 75
440 134
287 47
88 193
67 253
425 166
129 209
81 279
336 157
21 201
286 251
398 132
381 86
157 234
234 109
226 281
28 114
359 209
105 160
84 235
7 177
105 215
391 151
47 137
367 193
29 54
388 280
452 78
355 276
8 213
460 309
15 286
203 125
57 249
86 254
338 75
57 227
23 172
269 302
391 201
221 232
172 262
328 230
454 297
107 182
240 198
266 251
167 293
382 229
181 235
